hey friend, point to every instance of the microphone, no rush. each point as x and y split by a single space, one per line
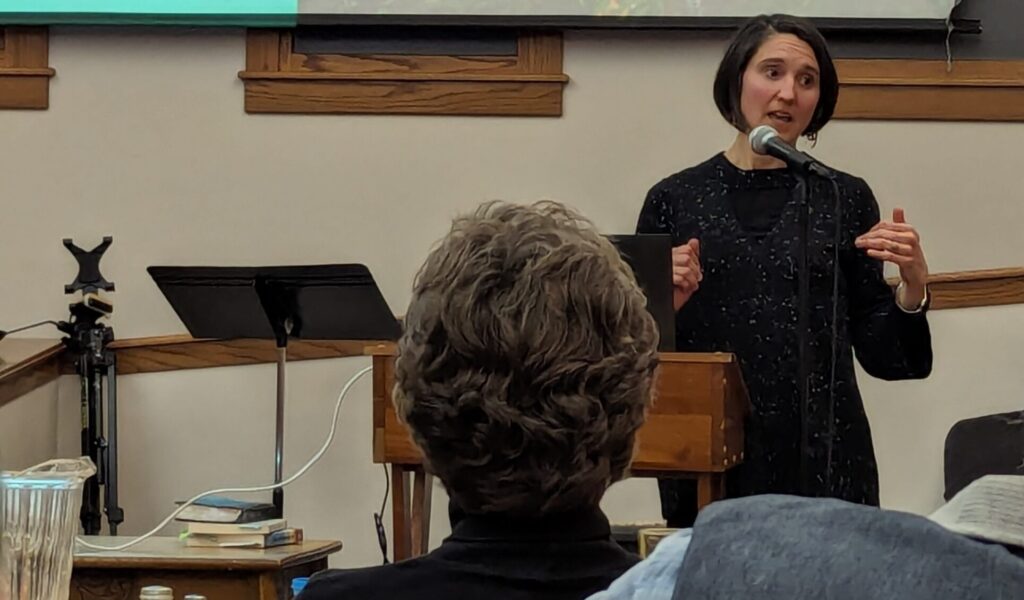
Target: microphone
766 141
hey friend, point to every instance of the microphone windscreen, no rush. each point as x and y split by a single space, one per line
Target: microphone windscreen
760 136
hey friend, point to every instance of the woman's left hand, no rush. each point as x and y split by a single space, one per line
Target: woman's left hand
898 242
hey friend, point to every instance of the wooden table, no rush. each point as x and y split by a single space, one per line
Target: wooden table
217 573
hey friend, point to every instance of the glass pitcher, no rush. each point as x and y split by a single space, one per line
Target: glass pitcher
39 511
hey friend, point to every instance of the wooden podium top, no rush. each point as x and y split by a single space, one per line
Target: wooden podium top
717 358
695 424
172 554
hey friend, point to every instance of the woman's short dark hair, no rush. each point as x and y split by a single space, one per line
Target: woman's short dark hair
746 42
525 366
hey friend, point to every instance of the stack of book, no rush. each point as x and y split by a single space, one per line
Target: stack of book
218 522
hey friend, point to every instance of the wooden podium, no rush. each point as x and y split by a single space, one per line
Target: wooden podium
694 429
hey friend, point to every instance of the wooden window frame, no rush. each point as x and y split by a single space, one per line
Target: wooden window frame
972 90
24 68
279 80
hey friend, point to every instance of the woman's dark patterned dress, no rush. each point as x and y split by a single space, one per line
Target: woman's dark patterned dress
746 222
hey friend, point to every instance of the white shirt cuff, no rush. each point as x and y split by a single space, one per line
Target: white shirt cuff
902 305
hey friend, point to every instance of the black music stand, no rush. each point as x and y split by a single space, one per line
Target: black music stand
311 302
650 257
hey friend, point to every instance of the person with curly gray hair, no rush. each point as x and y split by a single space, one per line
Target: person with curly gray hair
524 372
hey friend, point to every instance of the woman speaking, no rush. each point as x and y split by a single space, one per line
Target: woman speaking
736 237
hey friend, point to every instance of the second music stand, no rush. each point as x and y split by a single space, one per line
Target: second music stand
310 302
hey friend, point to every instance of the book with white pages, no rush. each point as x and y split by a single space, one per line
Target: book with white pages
990 508
256 527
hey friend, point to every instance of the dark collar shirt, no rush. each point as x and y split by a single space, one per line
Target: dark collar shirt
566 556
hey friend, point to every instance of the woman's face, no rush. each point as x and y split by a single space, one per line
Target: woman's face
781 86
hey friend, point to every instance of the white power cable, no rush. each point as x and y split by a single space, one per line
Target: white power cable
263 488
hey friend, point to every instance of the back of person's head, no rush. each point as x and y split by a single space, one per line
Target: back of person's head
525 367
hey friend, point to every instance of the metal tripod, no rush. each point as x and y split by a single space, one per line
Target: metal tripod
95 363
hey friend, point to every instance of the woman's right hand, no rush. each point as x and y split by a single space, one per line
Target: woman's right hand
686 272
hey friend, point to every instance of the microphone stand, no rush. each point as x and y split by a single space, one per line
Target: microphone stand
803 320
766 141
804 178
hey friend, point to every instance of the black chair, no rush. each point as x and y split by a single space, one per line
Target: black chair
989 445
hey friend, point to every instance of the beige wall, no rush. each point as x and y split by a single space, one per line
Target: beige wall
28 429
146 140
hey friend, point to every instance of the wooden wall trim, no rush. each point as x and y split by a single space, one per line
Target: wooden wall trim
966 289
24 68
172 353
445 77
961 289
279 80
971 90
27 365
978 73
33 363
